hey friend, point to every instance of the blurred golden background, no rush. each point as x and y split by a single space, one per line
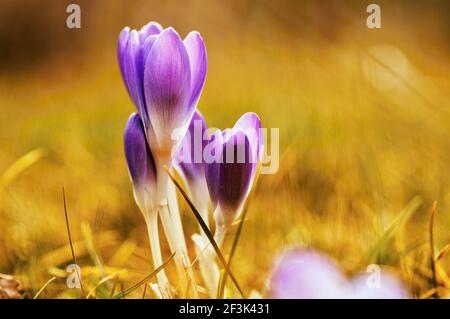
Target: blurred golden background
364 124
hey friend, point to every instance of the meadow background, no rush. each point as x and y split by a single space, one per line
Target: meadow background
364 124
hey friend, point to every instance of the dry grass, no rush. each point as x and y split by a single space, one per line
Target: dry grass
365 151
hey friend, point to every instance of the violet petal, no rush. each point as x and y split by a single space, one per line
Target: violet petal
305 274
251 125
198 63
212 167
193 166
131 62
151 28
167 84
235 174
139 158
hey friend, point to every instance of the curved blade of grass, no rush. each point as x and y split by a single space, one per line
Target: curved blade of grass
443 252
191 281
429 293
206 230
145 291
221 286
22 164
71 244
199 255
43 287
95 256
113 289
125 292
101 282
86 230
444 280
388 235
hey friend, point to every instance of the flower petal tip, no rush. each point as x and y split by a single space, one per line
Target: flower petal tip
139 159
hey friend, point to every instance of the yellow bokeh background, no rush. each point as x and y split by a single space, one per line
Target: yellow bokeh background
364 125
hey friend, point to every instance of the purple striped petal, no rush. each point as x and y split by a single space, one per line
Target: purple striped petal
235 175
139 158
151 28
122 45
167 85
198 63
192 165
251 125
130 61
147 46
229 173
212 167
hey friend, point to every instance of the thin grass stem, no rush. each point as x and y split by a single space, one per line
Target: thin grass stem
43 287
71 244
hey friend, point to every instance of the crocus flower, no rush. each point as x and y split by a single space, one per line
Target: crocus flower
164 76
307 274
142 172
232 170
191 164
141 166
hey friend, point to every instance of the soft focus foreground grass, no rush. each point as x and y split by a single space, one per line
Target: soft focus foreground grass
365 138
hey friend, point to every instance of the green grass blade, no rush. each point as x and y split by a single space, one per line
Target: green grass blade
127 291
386 239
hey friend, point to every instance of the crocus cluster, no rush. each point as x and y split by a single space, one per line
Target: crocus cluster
226 171
164 76
308 274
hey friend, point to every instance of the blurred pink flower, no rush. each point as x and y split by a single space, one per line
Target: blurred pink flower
307 274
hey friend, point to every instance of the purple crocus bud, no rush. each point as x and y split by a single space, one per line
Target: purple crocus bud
167 87
196 50
190 160
251 125
131 55
230 175
151 28
307 274
229 179
140 162
164 76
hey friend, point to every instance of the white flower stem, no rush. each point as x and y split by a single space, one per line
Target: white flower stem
179 232
221 227
170 229
173 245
175 213
152 229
